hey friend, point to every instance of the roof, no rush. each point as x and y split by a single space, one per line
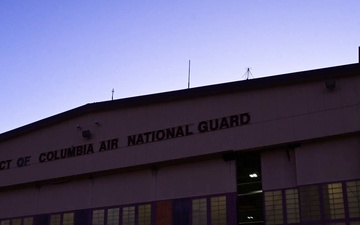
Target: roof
237 86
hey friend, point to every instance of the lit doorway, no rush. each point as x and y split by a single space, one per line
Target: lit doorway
249 189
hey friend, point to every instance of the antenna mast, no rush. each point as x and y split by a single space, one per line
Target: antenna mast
248 74
189 75
112 94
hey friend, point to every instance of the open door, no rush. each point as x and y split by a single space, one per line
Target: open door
249 189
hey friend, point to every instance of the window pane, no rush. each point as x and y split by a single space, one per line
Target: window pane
273 207
340 223
181 212
68 219
55 219
144 214
28 221
16 222
199 211
5 222
353 197
292 205
113 216
218 210
128 217
333 201
310 203
98 217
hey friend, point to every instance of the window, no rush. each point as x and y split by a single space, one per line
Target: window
310 203
218 210
292 206
98 217
55 219
353 198
333 201
113 216
128 217
144 214
28 221
273 207
68 219
181 212
16 222
199 211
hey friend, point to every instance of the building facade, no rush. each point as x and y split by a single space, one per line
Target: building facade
276 150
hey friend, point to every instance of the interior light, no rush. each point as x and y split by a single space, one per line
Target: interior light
253 175
250 218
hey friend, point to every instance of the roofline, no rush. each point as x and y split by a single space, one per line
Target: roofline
224 88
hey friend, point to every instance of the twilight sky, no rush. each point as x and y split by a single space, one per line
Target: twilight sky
58 55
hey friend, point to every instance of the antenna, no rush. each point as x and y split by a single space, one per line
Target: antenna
189 75
248 74
112 94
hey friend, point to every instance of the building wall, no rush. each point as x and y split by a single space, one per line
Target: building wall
321 120
202 178
278 115
335 159
316 182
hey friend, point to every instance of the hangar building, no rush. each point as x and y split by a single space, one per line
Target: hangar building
276 150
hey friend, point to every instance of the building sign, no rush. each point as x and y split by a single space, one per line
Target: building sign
187 130
132 140
78 150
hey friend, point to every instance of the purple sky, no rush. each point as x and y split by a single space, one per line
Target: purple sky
58 55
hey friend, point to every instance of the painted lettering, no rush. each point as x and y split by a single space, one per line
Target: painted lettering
5 165
23 161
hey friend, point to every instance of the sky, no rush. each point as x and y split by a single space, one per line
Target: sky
59 55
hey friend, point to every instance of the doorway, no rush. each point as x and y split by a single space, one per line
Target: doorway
249 189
